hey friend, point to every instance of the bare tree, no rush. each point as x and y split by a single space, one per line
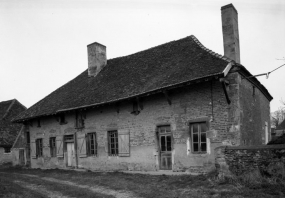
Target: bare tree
278 116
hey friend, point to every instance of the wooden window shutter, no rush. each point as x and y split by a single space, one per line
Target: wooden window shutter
59 146
81 145
106 142
33 149
124 142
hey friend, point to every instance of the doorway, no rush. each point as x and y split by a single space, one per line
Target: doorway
165 144
21 157
70 153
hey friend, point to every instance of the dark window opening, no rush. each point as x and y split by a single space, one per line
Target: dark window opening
62 119
136 110
28 140
80 117
199 137
39 123
7 149
91 144
165 138
113 143
52 145
39 147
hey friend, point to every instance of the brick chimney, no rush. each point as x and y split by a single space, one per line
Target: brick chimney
97 58
230 32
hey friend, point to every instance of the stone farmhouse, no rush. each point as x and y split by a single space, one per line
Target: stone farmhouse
164 108
8 130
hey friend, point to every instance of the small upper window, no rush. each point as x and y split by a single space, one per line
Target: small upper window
28 137
39 123
136 108
198 137
62 119
80 117
7 149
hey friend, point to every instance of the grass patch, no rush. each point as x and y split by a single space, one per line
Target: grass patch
248 185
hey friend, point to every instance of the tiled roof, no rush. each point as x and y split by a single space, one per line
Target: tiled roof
8 130
157 68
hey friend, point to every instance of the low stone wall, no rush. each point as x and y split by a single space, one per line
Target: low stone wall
269 159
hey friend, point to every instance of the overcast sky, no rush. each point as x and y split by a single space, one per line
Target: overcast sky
43 43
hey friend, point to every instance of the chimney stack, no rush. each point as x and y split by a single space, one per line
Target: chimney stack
97 58
230 32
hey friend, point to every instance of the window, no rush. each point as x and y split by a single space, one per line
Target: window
198 137
7 149
62 119
113 143
39 122
28 137
136 110
52 146
39 147
80 119
91 144
164 138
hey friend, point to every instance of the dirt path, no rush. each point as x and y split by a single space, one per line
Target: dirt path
94 188
40 189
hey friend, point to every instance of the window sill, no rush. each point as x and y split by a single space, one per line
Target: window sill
8 153
93 156
199 153
79 127
62 123
113 155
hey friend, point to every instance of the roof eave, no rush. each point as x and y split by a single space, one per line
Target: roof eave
173 86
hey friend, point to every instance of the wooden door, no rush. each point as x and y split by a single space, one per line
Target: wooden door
70 154
165 143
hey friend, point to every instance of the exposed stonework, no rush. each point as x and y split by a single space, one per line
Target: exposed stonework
202 101
269 159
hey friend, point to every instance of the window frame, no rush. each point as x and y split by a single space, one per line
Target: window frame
115 145
79 120
38 123
165 133
91 137
52 145
62 119
39 147
6 149
199 132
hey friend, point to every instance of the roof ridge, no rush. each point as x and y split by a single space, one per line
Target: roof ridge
10 106
210 51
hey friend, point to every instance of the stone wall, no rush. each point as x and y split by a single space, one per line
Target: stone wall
255 115
5 157
204 101
269 159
